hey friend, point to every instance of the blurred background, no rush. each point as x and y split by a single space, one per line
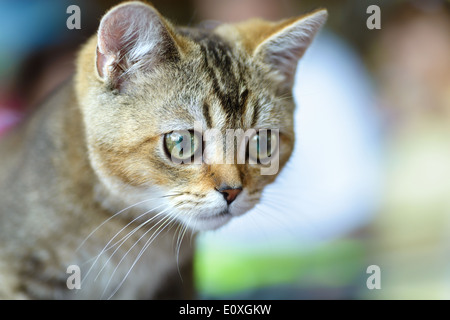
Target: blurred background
369 180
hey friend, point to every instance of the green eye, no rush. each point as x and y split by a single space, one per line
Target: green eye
260 150
181 145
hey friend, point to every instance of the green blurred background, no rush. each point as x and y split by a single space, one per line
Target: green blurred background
369 182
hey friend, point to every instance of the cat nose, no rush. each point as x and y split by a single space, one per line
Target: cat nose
229 193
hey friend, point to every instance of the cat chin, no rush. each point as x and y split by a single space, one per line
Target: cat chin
211 222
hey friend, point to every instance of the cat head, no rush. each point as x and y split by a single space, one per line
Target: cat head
163 106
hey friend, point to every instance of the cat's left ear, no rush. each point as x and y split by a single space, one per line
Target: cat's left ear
287 43
132 37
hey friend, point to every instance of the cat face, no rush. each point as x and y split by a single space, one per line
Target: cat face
175 116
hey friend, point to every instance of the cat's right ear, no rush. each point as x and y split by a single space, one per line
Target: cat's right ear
285 43
133 37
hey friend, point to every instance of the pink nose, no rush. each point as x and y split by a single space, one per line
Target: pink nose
230 194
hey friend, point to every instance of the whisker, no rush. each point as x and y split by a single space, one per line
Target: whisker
280 204
131 222
173 195
123 257
147 244
106 248
181 234
282 198
177 231
270 214
107 220
306 217
125 238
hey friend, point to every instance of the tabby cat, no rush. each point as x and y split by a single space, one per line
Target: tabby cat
89 180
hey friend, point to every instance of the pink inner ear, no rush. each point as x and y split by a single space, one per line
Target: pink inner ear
101 63
132 37
118 34
129 18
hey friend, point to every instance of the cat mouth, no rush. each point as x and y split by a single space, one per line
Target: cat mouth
213 221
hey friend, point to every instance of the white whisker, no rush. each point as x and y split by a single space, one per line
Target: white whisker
154 235
107 220
106 248
181 234
125 238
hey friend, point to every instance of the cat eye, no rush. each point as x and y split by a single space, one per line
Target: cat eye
262 146
181 146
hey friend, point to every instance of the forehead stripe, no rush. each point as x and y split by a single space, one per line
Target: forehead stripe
225 83
207 115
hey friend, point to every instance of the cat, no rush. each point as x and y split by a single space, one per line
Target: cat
89 180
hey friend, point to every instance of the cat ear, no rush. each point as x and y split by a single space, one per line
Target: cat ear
132 37
283 48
